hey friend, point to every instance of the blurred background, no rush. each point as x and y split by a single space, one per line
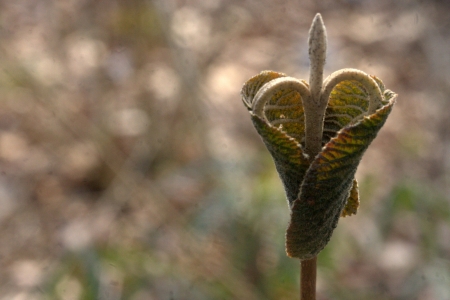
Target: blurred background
129 168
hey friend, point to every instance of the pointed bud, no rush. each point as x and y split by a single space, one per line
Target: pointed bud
317 55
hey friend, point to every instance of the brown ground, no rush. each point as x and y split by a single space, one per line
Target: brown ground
130 168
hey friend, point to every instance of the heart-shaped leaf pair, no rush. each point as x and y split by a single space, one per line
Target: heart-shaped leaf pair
319 189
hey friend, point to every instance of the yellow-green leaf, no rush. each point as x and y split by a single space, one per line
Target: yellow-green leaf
351 207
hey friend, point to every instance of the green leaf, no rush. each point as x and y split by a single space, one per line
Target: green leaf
327 184
252 86
284 110
287 154
282 132
348 103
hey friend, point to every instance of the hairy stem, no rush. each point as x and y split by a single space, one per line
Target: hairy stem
308 279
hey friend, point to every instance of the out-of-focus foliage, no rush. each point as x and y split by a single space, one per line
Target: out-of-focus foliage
130 170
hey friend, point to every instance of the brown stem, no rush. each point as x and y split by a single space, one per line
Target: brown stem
308 279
